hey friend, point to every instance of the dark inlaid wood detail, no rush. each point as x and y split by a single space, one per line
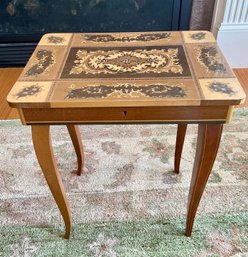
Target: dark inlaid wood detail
126 62
44 59
126 38
105 91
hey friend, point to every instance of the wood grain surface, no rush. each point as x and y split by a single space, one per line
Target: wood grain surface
8 77
126 69
208 140
44 153
242 75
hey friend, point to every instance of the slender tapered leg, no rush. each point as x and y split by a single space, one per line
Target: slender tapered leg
44 153
78 146
181 131
207 146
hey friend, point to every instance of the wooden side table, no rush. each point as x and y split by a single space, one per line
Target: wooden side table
148 77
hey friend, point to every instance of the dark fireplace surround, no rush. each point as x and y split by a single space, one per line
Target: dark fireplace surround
23 22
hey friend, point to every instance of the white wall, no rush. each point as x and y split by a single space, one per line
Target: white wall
230 24
219 11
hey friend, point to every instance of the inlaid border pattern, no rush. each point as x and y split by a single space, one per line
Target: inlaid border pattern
126 90
127 37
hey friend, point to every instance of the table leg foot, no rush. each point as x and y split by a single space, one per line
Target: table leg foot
78 146
207 146
181 131
44 153
67 232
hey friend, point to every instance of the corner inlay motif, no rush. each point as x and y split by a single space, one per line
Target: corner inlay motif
220 87
32 90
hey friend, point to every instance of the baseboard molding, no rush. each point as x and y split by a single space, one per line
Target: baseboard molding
233 41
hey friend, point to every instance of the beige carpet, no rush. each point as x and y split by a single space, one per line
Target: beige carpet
128 202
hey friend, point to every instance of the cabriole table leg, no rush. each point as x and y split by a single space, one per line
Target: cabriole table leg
78 146
181 131
207 146
44 153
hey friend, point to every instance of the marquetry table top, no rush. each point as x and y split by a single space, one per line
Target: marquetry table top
126 69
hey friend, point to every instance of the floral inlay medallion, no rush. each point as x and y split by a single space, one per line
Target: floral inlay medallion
127 61
119 62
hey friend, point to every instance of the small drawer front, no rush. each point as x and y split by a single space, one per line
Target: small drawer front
189 114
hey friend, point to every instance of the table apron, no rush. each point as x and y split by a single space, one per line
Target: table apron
102 115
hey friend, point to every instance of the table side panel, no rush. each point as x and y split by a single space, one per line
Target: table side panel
126 115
